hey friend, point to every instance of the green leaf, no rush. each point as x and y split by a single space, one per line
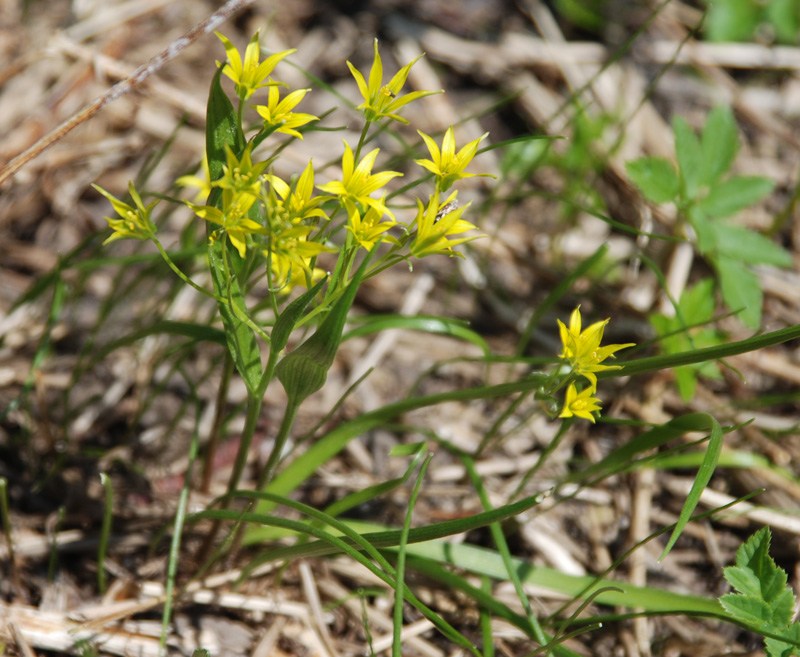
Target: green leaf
783 15
776 648
749 247
727 198
740 290
304 371
719 143
289 316
690 158
656 177
748 608
704 474
222 129
427 323
706 230
732 20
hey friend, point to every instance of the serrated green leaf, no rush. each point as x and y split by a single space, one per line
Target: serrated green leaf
782 606
656 177
729 197
704 229
743 579
749 247
719 143
776 648
740 290
748 608
690 158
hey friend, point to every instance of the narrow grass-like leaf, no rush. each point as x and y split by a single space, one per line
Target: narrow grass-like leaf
668 361
400 576
700 482
105 531
329 445
425 323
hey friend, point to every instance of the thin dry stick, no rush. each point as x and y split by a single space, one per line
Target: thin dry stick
124 86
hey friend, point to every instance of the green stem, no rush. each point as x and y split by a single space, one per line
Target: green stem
180 274
361 141
271 465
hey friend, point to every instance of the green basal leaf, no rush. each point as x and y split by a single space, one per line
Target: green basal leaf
656 177
719 143
222 129
290 315
729 197
750 247
740 290
690 158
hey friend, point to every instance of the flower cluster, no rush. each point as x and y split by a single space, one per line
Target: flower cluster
583 354
284 221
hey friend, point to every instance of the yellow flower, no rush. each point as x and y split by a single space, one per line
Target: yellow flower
436 223
297 205
358 184
370 228
289 256
249 75
382 100
203 185
582 348
135 222
580 404
241 176
232 218
278 116
447 165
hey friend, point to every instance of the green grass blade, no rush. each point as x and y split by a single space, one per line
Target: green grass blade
425 323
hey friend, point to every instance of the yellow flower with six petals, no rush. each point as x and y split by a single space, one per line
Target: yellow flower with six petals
135 222
382 100
278 115
358 182
582 348
447 165
580 404
248 75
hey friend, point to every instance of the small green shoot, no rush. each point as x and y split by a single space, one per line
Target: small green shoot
706 198
675 336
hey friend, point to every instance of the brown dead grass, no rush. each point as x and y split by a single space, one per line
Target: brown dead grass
60 56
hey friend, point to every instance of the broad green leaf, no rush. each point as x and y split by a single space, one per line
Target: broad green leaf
690 158
705 230
729 197
749 247
740 290
222 129
732 20
656 177
784 16
426 323
748 608
719 143
744 580
776 648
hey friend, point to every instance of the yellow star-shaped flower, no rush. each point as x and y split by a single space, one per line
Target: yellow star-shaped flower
582 348
447 165
249 75
580 404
